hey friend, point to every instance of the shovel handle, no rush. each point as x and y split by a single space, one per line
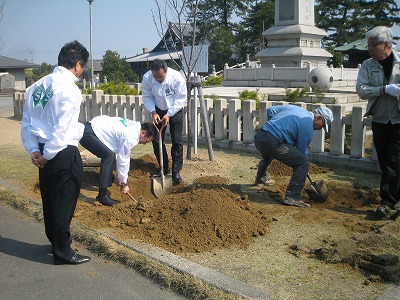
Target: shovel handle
309 178
130 196
160 151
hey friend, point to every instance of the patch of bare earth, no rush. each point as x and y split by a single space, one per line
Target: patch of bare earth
226 223
332 250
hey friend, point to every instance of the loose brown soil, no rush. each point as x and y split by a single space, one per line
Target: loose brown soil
210 213
216 217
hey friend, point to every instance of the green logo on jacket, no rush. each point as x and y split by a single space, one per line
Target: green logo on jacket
126 122
42 96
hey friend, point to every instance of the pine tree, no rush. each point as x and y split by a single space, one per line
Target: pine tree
258 18
348 20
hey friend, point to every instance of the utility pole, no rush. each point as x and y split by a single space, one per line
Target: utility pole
91 53
31 52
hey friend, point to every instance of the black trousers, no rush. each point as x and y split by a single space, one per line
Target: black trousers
272 148
262 168
92 143
175 128
386 139
60 184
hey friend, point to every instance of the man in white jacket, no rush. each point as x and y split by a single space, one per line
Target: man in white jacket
108 137
50 134
164 95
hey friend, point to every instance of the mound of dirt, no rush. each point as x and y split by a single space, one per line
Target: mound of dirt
199 217
211 212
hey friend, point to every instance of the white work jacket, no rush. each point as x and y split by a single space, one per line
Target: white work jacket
51 113
120 136
170 95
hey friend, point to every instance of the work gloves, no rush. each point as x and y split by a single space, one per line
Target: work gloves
393 89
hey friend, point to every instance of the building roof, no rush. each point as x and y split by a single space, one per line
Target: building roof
97 65
11 63
172 36
171 41
359 45
152 55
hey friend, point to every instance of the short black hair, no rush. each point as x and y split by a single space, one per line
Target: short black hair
158 64
151 130
71 53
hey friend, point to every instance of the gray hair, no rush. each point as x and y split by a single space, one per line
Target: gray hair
382 33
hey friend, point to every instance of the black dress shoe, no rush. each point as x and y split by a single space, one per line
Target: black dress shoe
106 200
176 178
74 260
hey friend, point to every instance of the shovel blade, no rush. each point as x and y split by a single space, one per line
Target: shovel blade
317 191
160 188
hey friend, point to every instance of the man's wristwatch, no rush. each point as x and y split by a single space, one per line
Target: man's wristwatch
123 184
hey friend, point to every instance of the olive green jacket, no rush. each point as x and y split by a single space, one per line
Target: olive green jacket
371 81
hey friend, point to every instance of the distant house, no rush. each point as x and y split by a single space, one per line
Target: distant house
168 49
97 68
355 52
16 68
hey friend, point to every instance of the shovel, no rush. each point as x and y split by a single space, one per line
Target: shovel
317 191
161 185
138 201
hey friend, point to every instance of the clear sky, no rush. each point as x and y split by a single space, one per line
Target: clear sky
37 29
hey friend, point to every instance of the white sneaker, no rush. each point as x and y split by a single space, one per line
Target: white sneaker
264 181
295 202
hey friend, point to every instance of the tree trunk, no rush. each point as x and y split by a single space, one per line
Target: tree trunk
189 120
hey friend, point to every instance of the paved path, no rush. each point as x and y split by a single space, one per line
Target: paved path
28 272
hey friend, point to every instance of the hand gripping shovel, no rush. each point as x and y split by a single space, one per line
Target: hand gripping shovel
317 191
161 185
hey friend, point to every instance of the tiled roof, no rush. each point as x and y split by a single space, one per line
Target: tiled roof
97 65
360 45
171 42
11 63
150 56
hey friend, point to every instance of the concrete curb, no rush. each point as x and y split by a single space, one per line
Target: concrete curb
196 270
391 294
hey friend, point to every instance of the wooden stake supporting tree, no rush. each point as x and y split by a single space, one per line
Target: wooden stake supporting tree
206 124
189 121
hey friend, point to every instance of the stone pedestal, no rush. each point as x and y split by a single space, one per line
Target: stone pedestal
294 41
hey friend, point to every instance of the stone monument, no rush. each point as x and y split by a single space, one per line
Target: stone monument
294 41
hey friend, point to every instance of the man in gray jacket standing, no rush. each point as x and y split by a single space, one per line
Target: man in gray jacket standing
379 82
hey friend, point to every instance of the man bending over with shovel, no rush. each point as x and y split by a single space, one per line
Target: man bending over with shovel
108 137
285 137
